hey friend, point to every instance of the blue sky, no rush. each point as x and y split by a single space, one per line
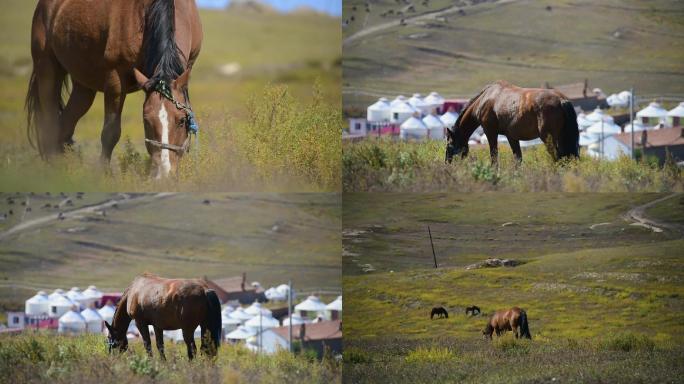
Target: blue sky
333 7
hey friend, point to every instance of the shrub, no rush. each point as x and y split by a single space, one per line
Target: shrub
430 355
627 342
355 356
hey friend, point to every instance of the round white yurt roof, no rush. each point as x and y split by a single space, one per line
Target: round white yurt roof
57 292
275 294
449 119
398 100
677 111
72 317
381 105
434 99
417 102
227 310
264 321
256 308
413 123
91 314
241 333
62 301
283 288
403 108
37 304
585 139
107 312
335 305
432 122
75 294
625 95
598 115
638 126
296 320
653 110
312 303
607 128
227 320
40 297
92 293
583 122
240 314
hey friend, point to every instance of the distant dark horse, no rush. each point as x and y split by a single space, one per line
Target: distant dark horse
440 312
472 310
519 114
116 47
507 320
167 304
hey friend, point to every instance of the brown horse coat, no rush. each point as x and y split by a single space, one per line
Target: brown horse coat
167 304
507 320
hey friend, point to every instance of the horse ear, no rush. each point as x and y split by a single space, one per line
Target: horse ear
141 79
182 80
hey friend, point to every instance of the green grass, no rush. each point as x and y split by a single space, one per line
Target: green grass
40 357
520 42
173 236
409 166
604 304
297 52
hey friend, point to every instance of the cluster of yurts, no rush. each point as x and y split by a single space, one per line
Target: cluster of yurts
77 313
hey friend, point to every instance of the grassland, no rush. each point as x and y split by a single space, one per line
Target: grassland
615 44
410 166
42 358
604 297
271 237
287 62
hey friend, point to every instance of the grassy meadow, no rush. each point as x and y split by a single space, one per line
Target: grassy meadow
271 237
273 125
41 358
603 296
418 166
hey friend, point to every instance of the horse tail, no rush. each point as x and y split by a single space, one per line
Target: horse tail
32 104
524 326
568 143
214 317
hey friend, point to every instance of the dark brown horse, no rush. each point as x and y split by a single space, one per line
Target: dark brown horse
116 47
507 320
440 312
167 304
519 114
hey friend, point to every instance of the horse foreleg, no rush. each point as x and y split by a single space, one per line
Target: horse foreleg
111 131
493 148
159 336
145 334
515 146
189 338
80 101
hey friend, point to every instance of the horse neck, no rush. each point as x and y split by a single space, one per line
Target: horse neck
469 123
121 319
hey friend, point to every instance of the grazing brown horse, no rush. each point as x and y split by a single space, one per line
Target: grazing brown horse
440 312
116 47
519 114
167 304
507 320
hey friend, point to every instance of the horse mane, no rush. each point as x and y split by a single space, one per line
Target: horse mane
468 105
163 59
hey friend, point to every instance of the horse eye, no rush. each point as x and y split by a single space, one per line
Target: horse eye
181 122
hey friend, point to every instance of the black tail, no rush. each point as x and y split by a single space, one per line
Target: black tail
214 317
568 143
524 326
34 128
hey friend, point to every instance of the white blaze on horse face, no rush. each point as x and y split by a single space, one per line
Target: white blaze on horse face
165 165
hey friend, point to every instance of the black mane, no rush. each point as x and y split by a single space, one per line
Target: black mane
470 102
163 58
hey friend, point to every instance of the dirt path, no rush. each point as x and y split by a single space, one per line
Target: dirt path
638 216
123 199
395 23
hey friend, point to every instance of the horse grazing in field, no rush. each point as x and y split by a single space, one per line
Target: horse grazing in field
167 304
116 47
440 312
519 114
472 310
507 320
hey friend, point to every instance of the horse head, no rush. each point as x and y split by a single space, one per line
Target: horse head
488 331
168 120
457 143
116 339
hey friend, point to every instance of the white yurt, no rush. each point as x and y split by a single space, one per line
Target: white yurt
93 295
599 115
449 119
240 314
77 296
416 101
261 322
586 139
107 312
38 304
652 114
335 308
227 310
637 125
93 320
402 112
311 304
256 308
284 289
56 293
296 320
241 333
379 111
603 128
583 122
413 128
398 100
435 101
435 127
274 294
676 115
229 323
60 305
71 322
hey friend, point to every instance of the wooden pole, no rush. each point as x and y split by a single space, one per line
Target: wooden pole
434 257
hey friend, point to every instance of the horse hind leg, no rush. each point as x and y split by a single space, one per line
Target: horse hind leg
189 338
515 147
80 101
48 79
159 336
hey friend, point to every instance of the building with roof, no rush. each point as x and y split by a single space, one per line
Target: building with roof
653 114
235 289
321 336
658 143
581 95
675 116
